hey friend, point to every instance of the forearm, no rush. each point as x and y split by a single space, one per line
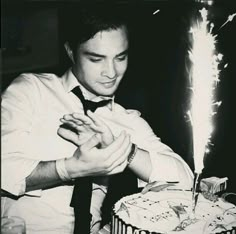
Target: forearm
43 176
141 165
168 166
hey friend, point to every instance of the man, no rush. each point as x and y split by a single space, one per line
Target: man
39 166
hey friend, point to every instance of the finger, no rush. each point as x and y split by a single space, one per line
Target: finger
83 129
70 118
117 144
68 135
100 125
96 129
91 143
80 120
93 123
70 123
121 155
81 117
79 128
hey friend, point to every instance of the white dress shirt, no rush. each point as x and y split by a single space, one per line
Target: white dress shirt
31 110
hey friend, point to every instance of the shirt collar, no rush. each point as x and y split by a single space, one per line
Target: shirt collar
69 81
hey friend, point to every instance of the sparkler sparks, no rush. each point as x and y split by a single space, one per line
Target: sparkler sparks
230 18
155 12
204 78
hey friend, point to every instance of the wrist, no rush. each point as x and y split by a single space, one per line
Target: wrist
75 168
132 153
62 170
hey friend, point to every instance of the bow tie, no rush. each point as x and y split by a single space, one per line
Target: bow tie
87 104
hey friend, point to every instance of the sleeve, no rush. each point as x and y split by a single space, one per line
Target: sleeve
166 165
17 110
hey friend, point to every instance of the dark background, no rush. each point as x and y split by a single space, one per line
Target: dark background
156 82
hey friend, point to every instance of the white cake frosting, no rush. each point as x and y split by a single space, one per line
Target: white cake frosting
170 212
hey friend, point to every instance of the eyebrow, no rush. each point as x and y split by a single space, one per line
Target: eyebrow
88 53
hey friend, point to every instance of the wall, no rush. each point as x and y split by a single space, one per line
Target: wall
29 39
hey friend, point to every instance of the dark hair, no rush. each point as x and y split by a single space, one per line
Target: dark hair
81 23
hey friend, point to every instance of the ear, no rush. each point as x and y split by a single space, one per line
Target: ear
69 52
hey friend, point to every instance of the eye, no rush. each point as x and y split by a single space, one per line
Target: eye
95 60
122 57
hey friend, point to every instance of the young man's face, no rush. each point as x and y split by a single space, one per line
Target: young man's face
100 63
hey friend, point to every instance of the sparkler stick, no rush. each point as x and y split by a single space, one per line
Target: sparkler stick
204 79
195 193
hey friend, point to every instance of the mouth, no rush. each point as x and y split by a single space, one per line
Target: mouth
109 84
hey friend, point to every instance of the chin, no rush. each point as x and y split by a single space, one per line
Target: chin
107 92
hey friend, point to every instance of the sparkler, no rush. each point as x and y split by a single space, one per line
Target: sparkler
204 78
230 18
155 12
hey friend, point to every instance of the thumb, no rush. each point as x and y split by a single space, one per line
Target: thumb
68 135
91 143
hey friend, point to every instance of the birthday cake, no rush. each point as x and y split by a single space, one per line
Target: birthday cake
170 211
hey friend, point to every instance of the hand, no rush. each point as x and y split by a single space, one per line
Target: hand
100 127
86 127
76 130
88 160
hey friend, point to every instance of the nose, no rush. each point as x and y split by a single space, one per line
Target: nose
109 70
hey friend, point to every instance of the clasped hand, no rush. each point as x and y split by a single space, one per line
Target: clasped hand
79 128
98 152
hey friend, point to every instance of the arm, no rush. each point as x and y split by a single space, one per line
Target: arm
87 160
86 126
165 164
43 176
141 158
18 105
153 160
21 169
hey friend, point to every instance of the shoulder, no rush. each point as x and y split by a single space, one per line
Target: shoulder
36 77
30 81
29 87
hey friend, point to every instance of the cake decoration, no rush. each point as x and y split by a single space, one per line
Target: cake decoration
170 212
157 186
